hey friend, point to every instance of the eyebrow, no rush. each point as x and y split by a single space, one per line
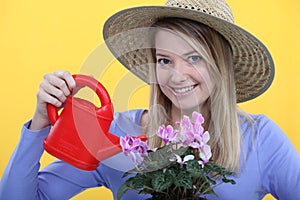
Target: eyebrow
162 55
185 54
189 53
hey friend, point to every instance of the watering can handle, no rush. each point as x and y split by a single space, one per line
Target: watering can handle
82 80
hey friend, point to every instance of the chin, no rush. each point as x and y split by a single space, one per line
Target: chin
187 108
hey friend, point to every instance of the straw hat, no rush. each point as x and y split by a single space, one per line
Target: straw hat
125 34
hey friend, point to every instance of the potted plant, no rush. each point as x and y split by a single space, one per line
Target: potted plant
180 170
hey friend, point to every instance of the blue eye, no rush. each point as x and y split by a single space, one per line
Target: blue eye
163 61
193 59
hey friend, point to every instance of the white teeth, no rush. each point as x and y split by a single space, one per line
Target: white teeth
183 90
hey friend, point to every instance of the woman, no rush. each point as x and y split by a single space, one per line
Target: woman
194 62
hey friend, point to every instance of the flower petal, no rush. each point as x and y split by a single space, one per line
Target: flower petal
201 163
197 117
123 142
205 137
188 157
205 153
195 145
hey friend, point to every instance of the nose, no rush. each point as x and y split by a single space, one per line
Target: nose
178 72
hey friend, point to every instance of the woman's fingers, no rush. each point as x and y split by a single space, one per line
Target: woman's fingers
55 88
56 85
49 94
67 77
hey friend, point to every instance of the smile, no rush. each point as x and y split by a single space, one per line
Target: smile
184 90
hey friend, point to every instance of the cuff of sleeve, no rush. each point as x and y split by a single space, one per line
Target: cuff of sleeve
35 133
29 149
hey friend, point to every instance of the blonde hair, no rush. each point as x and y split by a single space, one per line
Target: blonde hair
224 126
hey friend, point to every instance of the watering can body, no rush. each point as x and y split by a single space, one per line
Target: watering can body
80 134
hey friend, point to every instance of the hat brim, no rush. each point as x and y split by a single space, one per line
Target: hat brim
253 64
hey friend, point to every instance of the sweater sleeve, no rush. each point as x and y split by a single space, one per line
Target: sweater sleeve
23 180
279 161
125 123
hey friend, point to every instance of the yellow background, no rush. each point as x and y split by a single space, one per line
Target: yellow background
37 37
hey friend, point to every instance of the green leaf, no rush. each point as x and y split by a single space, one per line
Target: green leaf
212 181
183 179
194 169
226 180
146 191
160 182
172 171
159 159
135 182
158 175
122 190
206 188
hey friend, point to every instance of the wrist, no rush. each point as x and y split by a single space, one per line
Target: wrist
38 123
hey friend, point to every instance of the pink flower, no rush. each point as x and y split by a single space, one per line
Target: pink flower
143 150
198 128
205 137
197 117
190 135
191 132
129 144
132 146
205 154
168 134
187 134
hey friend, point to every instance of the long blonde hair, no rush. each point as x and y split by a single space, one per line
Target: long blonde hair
223 119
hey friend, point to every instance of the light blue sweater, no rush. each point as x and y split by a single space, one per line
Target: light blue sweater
272 165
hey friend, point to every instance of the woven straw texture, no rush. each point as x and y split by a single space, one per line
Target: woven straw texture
126 32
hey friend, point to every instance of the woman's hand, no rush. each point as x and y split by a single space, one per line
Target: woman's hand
54 89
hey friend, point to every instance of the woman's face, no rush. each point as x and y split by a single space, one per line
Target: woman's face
182 74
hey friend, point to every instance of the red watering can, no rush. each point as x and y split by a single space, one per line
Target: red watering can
79 135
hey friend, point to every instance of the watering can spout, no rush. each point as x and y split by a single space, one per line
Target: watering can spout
114 146
105 116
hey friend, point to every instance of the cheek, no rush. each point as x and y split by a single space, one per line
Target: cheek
202 75
210 84
204 89
206 82
162 76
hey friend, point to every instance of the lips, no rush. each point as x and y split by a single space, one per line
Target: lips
184 89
